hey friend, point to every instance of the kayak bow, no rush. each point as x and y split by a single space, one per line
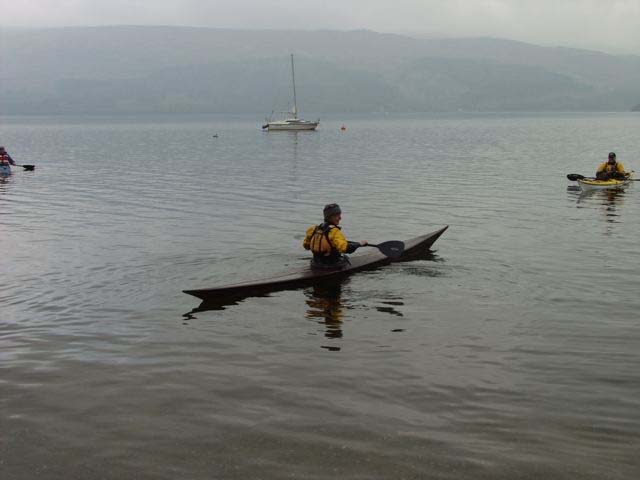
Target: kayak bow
307 276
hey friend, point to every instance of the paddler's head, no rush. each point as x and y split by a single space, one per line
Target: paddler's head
332 213
612 157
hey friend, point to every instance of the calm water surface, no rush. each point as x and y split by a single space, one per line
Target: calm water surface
512 352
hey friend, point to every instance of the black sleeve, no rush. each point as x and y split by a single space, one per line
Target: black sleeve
352 246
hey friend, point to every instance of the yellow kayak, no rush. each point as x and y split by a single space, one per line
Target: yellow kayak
593 184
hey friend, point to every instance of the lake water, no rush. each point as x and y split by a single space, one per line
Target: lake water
513 352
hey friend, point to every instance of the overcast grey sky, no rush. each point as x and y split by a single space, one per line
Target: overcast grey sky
610 25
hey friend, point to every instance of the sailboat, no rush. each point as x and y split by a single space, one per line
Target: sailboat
292 122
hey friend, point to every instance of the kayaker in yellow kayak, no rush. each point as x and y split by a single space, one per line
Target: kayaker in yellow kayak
327 242
611 169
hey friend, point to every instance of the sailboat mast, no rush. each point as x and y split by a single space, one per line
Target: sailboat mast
295 103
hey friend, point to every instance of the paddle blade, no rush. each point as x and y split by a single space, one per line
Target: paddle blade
29 167
392 248
575 176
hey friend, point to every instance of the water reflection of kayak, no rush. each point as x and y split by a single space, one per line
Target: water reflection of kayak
306 276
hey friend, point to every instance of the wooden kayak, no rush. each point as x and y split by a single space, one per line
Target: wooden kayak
306 276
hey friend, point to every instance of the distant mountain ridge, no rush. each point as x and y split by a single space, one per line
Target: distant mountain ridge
133 69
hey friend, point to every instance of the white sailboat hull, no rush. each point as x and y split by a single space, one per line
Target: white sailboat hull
292 124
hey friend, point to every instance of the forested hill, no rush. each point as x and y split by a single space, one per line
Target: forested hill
199 70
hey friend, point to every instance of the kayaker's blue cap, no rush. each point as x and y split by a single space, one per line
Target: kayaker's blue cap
331 210
612 154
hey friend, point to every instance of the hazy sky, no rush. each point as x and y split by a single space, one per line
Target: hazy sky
610 25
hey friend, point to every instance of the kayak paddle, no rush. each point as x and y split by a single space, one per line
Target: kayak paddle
392 248
27 167
576 176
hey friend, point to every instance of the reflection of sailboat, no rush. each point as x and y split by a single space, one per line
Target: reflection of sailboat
293 122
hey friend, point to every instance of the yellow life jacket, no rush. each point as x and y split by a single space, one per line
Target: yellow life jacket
611 168
319 243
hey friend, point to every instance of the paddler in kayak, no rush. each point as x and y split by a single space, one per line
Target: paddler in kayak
327 242
5 157
611 169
